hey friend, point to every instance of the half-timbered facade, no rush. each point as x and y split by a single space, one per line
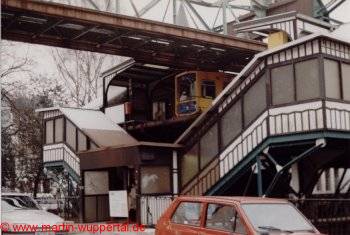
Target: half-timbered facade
285 120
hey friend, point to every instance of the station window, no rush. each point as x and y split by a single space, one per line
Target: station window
82 142
71 135
59 130
307 80
332 79
282 80
255 100
346 81
231 123
189 164
208 89
49 131
155 179
91 186
209 145
93 145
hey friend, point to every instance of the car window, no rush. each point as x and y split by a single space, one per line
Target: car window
6 205
187 213
225 218
21 202
276 216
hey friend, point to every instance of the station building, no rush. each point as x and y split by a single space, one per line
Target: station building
279 128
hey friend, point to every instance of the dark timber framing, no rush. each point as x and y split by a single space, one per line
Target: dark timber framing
214 115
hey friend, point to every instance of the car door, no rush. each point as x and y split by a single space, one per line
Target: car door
186 219
221 219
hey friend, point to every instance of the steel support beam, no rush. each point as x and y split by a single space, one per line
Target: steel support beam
290 163
174 11
92 3
250 159
259 176
197 15
224 16
149 6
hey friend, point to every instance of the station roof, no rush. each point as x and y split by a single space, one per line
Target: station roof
97 126
146 41
140 73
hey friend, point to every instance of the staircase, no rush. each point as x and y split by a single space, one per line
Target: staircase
307 121
60 156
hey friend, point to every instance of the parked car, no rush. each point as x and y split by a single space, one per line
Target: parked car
232 215
21 209
47 202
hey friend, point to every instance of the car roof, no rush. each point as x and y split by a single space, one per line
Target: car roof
231 199
14 194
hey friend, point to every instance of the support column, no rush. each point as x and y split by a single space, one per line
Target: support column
224 19
295 183
175 174
259 176
174 11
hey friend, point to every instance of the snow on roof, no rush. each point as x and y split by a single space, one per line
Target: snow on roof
90 119
343 32
337 36
96 125
94 104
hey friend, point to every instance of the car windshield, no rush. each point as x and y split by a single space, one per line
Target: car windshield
280 217
18 202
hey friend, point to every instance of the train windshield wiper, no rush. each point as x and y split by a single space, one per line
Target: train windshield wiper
274 228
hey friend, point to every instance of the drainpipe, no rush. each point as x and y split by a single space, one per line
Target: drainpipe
259 176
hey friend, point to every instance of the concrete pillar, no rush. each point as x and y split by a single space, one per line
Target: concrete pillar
295 183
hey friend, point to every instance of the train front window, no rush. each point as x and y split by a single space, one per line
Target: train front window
208 89
186 85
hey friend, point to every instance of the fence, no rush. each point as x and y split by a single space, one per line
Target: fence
330 216
152 207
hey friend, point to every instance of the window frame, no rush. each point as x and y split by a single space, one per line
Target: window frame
342 88
195 146
320 79
271 82
239 102
261 76
203 165
201 213
52 133
142 166
235 207
204 86
339 78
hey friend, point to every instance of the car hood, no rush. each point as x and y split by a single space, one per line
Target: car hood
32 217
295 233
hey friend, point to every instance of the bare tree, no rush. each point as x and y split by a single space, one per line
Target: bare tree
11 64
80 72
21 93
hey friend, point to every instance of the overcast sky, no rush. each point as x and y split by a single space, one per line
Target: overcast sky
45 65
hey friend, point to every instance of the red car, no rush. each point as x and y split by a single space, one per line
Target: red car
232 215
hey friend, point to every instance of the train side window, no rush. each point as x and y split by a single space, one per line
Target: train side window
208 89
